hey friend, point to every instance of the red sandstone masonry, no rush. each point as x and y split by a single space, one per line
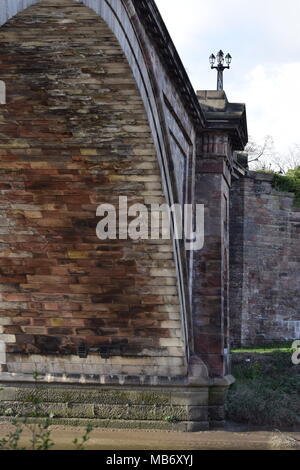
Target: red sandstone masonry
265 262
74 134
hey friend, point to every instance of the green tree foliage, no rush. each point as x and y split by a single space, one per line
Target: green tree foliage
289 182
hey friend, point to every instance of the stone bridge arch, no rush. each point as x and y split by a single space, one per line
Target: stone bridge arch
120 18
165 323
172 121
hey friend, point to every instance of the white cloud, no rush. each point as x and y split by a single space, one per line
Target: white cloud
263 38
273 103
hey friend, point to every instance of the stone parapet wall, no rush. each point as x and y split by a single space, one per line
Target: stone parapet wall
265 262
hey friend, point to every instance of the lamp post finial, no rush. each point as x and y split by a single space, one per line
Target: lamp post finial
220 67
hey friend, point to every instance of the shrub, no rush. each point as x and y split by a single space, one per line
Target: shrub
289 182
266 392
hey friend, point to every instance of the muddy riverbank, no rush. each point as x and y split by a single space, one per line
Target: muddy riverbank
107 439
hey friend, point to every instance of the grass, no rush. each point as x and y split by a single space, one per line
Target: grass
267 388
284 347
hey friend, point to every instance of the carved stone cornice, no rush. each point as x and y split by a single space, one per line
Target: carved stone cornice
215 143
225 117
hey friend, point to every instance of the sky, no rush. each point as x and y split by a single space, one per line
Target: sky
263 38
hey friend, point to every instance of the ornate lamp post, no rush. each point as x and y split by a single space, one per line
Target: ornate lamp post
220 66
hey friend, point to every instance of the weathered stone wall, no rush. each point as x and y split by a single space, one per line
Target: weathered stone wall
213 181
169 99
265 262
147 408
74 134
